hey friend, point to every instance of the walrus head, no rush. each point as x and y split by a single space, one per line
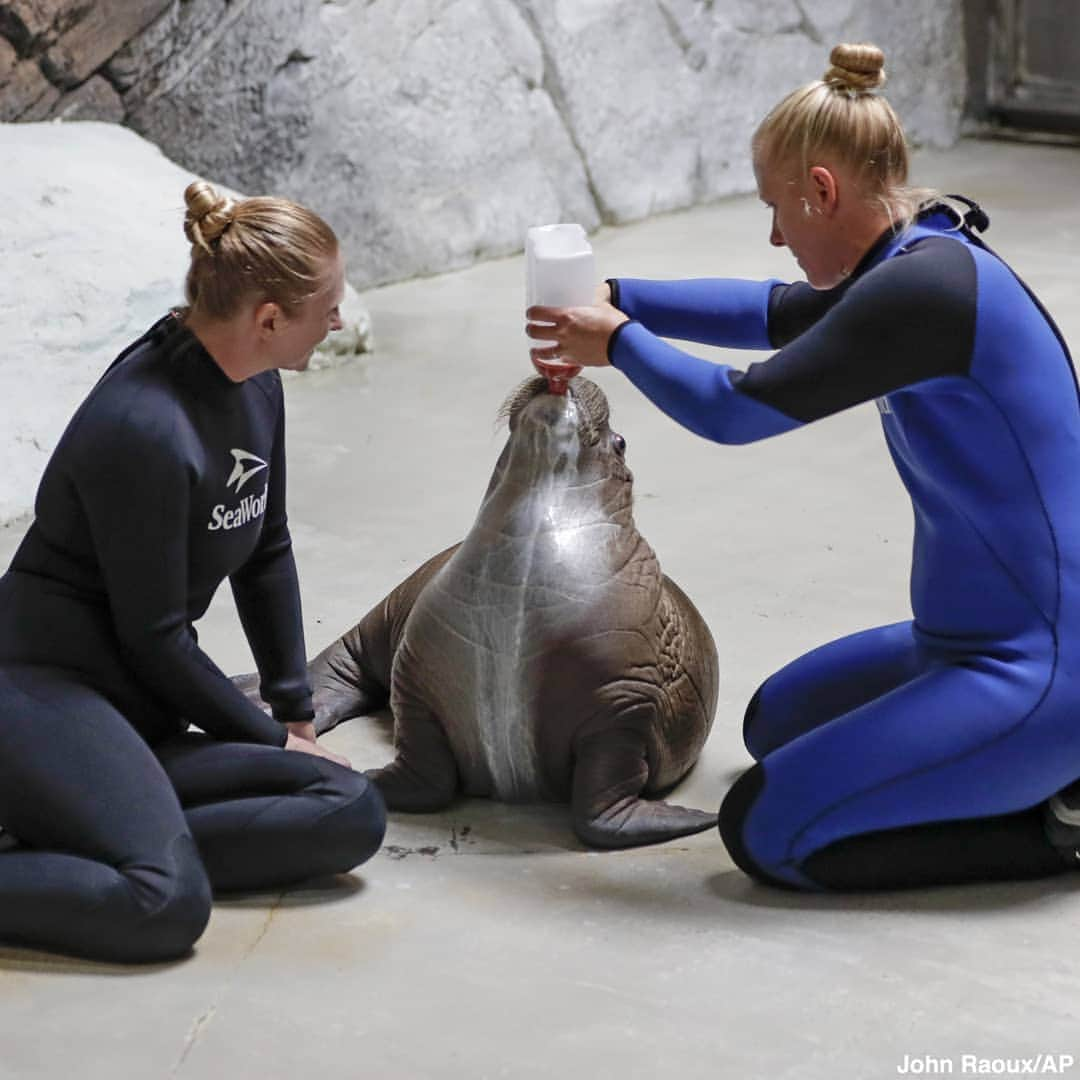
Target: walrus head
565 436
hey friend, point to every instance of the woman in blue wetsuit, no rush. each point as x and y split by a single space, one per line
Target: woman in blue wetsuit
117 821
932 751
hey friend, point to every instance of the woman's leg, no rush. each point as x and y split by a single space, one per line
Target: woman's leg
937 781
265 817
828 682
105 865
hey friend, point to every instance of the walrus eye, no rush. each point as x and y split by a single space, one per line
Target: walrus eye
619 443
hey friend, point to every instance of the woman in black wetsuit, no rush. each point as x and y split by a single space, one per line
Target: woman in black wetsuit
118 821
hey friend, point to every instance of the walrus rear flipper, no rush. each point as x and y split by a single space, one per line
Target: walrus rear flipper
610 772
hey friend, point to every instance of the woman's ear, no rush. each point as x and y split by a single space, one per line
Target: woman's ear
824 191
268 317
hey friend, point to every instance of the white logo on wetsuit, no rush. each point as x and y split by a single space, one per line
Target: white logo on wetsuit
240 476
251 506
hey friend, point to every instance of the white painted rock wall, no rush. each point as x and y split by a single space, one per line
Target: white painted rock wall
93 251
434 132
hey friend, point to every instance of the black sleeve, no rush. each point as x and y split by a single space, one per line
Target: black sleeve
909 319
134 482
268 601
794 308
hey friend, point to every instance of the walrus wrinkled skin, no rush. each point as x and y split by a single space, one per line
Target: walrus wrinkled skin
546 657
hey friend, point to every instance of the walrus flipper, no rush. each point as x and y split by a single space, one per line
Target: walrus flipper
610 772
342 684
344 680
341 688
351 676
424 775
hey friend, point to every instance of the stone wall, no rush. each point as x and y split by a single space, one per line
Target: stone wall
434 132
53 54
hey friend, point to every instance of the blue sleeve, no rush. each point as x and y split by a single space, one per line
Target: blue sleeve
696 393
267 596
907 320
729 312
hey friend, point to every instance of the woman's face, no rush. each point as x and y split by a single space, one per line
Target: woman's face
297 337
803 219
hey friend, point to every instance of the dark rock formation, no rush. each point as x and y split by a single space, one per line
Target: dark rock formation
50 51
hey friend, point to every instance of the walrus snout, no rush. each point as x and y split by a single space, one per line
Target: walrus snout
550 411
547 443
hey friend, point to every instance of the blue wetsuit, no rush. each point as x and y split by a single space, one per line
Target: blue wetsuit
168 479
884 758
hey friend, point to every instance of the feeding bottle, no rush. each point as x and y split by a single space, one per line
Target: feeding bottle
560 271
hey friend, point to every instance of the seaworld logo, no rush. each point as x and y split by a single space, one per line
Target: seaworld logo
245 466
251 507
240 475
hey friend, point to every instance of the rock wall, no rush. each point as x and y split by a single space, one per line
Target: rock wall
52 53
93 250
434 132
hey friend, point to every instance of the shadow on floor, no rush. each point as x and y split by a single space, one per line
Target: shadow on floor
15 959
332 889
735 887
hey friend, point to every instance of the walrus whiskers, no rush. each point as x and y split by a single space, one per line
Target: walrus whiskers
590 399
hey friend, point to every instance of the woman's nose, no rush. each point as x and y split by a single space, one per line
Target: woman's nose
776 237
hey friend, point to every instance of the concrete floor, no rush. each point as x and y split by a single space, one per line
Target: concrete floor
485 941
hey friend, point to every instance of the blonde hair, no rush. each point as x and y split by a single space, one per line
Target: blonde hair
841 118
262 249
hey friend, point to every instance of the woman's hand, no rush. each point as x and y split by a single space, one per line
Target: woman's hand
581 334
301 738
302 729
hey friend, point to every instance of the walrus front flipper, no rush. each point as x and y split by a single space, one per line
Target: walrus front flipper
341 684
351 676
344 682
610 772
424 776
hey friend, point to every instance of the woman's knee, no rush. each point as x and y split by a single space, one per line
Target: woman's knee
368 812
750 725
734 811
353 831
172 904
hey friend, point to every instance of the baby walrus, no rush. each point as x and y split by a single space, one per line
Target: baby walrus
546 657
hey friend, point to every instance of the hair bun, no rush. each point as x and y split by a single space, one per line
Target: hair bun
856 67
208 214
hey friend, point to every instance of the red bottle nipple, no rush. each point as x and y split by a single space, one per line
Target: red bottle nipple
558 374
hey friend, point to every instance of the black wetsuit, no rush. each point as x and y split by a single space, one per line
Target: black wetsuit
169 478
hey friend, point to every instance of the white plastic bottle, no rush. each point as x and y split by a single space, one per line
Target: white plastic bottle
560 270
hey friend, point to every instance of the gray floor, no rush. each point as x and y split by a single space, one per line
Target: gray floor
484 941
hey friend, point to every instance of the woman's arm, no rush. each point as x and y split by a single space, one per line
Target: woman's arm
909 320
267 596
698 394
729 312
